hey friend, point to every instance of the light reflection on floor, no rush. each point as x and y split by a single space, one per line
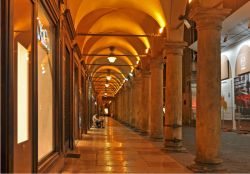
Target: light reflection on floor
117 149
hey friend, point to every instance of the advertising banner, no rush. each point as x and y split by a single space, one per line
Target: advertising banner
226 94
242 95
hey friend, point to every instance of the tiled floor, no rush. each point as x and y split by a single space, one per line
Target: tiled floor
117 149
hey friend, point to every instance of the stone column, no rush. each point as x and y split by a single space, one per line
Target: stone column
116 108
146 101
133 96
119 106
122 105
138 102
156 117
208 128
130 103
127 103
173 115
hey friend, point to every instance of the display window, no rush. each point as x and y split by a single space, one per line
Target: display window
23 55
45 51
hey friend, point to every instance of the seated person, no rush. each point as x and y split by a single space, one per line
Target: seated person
96 121
102 121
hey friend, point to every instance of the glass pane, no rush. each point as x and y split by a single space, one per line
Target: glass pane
23 94
45 36
22 54
22 24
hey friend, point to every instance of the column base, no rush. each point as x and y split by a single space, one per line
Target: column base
156 139
143 133
136 129
174 146
176 149
207 168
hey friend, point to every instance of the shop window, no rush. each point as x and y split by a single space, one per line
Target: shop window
22 60
23 94
45 38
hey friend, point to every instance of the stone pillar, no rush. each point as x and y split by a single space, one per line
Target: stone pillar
173 115
130 106
208 128
115 113
122 104
127 103
133 96
156 117
119 106
146 101
138 102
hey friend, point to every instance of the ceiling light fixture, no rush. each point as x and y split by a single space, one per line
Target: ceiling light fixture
131 74
112 58
107 84
147 50
108 75
161 30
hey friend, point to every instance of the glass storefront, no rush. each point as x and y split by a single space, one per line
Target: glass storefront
23 54
45 37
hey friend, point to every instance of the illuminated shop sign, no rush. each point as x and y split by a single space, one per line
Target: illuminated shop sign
42 35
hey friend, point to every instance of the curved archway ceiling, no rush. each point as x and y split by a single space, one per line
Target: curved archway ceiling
118 17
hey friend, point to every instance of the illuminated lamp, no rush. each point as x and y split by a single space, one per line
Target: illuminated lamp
109 77
161 30
107 84
112 59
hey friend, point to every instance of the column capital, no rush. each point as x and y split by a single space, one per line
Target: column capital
156 63
127 86
208 18
146 74
175 48
137 80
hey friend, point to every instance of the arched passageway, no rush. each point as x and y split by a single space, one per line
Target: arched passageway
146 67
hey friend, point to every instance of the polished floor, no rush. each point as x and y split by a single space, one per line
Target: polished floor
117 149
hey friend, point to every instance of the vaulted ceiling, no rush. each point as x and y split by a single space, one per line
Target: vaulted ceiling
126 25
